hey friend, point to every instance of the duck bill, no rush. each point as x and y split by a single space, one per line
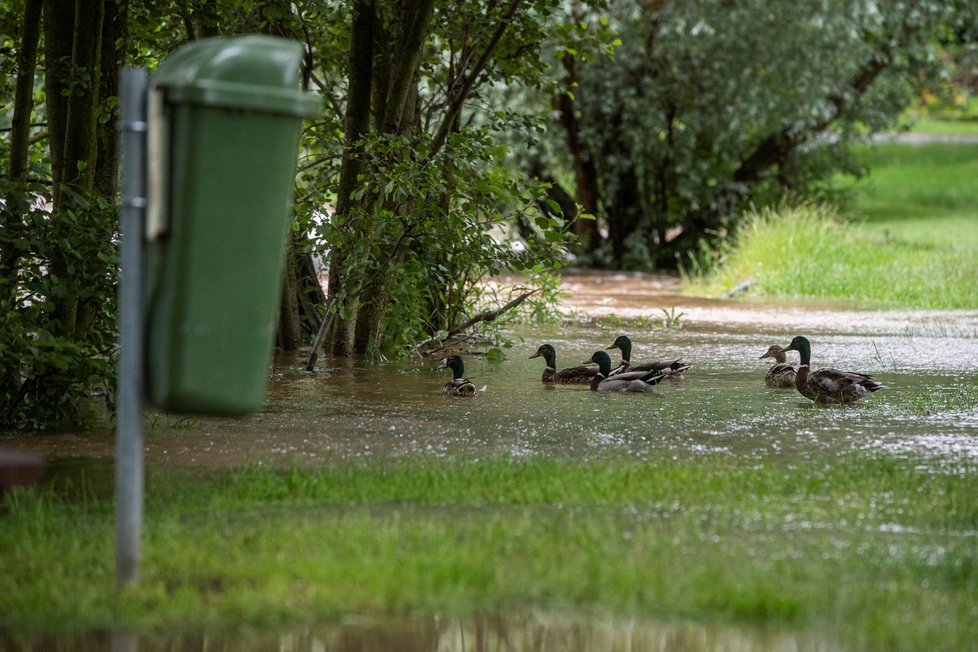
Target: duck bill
613 346
535 355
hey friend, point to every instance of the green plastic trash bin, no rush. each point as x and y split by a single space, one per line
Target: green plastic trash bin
225 116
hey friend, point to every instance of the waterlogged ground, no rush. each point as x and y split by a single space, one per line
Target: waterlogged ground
478 634
348 411
352 410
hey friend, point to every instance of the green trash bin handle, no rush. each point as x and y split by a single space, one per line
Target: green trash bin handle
249 97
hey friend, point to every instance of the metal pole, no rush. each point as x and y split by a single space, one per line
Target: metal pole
129 414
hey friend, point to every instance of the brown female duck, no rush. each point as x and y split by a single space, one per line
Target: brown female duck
568 375
782 374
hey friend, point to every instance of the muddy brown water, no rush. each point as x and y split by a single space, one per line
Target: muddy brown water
352 411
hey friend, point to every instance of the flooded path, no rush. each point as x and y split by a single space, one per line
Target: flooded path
349 410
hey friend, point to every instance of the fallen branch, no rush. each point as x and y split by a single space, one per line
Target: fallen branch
486 315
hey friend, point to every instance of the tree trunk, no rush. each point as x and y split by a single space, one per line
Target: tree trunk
289 335
204 19
78 133
59 27
78 165
585 172
115 35
621 194
341 339
413 28
15 205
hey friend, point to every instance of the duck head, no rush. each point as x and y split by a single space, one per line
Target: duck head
548 353
776 352
623 344
603 360
454 363
803 347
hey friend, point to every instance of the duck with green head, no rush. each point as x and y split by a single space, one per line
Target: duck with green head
668 368
458 385
567 375
828 385
782 374
623 381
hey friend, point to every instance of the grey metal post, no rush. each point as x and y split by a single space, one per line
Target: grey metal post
129 415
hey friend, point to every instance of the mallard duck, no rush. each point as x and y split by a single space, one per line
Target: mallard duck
458 386
623 381
782 374
828 385
668 368
580 374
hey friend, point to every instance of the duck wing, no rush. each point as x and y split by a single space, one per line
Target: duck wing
669 367
781 375
581 374
459 387
631 381
838 386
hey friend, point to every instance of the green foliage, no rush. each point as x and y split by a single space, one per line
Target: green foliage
696 88
49 369
441 207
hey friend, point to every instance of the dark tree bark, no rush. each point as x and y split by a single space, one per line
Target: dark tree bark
115 34
205 19
59 26
11 220
77 133
585 171
78 165
341 339
289 335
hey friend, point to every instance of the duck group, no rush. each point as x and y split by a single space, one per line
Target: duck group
824 385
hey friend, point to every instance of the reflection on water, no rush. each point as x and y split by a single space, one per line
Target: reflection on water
450 634
348 410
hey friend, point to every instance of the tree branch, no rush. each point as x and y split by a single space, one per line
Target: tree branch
486 315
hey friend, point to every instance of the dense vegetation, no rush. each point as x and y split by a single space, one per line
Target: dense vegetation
444 125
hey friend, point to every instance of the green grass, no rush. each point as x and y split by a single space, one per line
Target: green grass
844 261
941 119
910 239
878 552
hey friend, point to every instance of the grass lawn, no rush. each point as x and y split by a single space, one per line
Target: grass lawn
868 552
909 240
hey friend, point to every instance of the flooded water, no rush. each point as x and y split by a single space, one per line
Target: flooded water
478 634
351 410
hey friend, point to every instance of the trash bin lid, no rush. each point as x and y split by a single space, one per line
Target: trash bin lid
254 72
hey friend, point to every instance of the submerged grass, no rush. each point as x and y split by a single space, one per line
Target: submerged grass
877 550
911 240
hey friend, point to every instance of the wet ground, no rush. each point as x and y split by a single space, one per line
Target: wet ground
478 634
350 410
